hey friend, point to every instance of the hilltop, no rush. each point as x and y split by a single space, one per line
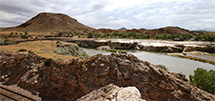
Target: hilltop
51 22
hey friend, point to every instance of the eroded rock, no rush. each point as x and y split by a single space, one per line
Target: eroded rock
112 92
77 77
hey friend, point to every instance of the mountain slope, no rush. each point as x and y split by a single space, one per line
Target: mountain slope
52 22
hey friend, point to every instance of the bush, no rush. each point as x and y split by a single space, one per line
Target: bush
99 54
22 50
47 62
90 35
115 50
11 33
163 67
84 54
26 33
6 40
24 36
57 42
204 79
78 43
69 50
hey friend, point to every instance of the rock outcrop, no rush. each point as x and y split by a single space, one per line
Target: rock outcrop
74 78
112 92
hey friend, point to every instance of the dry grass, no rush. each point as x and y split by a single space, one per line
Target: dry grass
42 48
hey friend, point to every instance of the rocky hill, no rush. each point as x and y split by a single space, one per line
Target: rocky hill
51 22
71 79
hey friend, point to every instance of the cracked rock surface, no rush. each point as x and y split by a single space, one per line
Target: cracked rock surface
73 78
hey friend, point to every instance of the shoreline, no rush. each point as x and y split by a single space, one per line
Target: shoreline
196 57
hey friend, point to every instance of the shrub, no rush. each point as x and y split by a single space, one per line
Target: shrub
84 54
204 79
6 40
24 36
47 62
22 50
99 54
26 33
163 67
69 50
78 43
90 35
11 33
86 45
115 50
58 45
57 42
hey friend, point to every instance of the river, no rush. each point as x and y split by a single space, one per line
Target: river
172 63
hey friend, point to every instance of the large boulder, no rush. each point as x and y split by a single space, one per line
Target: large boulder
112 92
74 78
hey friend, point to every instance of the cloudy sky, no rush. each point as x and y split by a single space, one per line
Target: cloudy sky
114 14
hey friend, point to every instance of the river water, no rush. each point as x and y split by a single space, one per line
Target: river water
172 63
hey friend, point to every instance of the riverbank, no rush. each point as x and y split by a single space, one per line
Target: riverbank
142 45
197 56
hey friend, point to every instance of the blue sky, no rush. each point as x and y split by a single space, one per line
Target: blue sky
114 14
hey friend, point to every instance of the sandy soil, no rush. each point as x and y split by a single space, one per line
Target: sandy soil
42 48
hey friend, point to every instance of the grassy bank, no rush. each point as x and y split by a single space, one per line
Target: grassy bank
198 59
115 50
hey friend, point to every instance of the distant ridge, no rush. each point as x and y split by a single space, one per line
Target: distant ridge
123 28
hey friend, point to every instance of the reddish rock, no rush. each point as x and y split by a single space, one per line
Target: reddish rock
70 81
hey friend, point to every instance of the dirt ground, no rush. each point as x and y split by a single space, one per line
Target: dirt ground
42 48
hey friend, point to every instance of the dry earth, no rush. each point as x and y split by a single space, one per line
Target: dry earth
42 48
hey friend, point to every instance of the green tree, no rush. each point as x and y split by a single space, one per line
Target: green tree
90 35
11 33
115 34
204 79
5 36
197 38
6 40
26 33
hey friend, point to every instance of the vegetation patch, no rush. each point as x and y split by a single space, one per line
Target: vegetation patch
115 50
212 54
84 54
99 54
198 59
47 62
22 50
163 67
204 79
70 50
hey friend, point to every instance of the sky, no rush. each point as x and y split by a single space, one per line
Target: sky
115 14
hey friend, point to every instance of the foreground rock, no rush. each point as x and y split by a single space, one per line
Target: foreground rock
112 92
73 78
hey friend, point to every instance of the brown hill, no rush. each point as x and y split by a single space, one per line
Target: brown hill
152 32
51 22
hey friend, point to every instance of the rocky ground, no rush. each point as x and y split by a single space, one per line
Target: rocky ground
73 78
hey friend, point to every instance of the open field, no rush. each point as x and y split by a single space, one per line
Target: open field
42 48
